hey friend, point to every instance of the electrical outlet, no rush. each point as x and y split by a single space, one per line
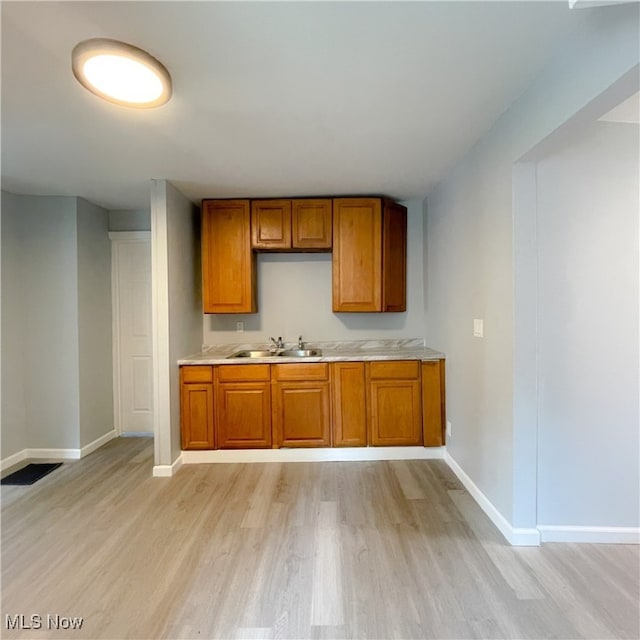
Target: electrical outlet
240 327
478 328
448 429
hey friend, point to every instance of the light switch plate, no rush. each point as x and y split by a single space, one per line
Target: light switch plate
240 327
478 328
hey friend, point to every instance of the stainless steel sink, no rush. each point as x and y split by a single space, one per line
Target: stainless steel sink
285 353
300 353
252 354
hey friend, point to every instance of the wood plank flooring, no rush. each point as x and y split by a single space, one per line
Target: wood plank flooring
323 550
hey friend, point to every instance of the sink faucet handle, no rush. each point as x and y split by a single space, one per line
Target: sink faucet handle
300 343
279 344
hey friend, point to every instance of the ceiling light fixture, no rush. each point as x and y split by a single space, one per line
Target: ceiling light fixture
121 73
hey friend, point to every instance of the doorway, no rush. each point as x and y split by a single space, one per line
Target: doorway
132 336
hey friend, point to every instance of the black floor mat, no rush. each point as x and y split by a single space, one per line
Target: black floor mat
31 473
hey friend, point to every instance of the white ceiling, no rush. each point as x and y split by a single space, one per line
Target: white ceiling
293 98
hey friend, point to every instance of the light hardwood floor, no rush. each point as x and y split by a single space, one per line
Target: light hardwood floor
297 550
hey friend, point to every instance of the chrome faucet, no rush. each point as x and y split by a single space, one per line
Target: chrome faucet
300 343
279 343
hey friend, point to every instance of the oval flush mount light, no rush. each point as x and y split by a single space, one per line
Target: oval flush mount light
121 73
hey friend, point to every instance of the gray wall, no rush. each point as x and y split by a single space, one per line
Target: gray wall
294 297
177 307
13 337
51 321
94 322
185 311
470 244
56 323
588 205
469 273
130 220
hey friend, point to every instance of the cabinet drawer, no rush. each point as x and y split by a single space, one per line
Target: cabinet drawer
301 371
243 372
394 369
196 374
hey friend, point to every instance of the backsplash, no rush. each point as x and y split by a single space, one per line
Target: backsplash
328 345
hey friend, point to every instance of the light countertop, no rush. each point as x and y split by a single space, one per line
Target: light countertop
342 351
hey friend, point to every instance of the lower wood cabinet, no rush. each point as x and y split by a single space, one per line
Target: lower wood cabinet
433 403
301 415
243 407
349 406
196 408
342 404
395 404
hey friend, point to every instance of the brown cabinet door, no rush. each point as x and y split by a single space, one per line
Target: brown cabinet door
311 224
357 254
395 403
196 413
369 255
301 414
349 404
433 403
228 264
271 224
243 415
394 257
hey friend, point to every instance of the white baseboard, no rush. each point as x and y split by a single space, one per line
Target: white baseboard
97 443
12 460
328 454
518 537
167 470
56 454
137 434
59 454
597 535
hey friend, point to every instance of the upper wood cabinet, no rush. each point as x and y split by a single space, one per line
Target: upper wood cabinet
394 256
311 224
271 224
228 264
369 255
289 225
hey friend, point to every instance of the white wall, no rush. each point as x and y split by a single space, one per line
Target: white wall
177 307
12 340
470 244
294 297
94 322
588 420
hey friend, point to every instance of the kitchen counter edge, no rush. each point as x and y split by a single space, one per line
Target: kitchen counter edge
424 354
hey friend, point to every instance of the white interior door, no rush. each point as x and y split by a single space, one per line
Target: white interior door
133 370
